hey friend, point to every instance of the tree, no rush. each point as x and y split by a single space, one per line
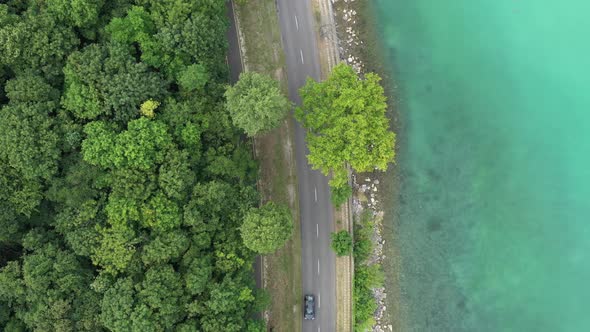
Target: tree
123 182
193 77
256 103
153 304
141 146
79 13
105 80
50 291
341 243
27 137
148 107
267 228
116 249
345 116
35 43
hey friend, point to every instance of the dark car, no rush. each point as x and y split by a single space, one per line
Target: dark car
309 307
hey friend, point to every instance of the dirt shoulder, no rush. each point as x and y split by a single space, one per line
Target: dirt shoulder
260 42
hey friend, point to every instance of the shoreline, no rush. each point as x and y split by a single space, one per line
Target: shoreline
360 46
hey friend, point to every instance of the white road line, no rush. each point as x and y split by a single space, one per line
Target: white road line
319 300
317 230
301 52
318 267
296 23
315 191
318 329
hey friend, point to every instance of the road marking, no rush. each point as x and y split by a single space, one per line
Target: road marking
317 230
296 23
315 191
301 52
318 267
318 329
319 300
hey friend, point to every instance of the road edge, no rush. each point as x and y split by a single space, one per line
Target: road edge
278 183
327 41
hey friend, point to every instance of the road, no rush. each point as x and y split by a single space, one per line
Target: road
316 214
318 259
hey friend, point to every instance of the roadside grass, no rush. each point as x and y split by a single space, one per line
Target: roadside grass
263 53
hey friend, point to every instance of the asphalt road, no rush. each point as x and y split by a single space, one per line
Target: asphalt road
318 260
234 61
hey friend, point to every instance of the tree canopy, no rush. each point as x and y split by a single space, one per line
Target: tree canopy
267 228
256 103
123 182
346 122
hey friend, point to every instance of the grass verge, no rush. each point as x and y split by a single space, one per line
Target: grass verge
262 52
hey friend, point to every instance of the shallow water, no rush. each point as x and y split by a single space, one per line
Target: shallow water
493 216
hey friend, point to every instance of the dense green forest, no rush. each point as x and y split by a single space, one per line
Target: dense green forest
123 181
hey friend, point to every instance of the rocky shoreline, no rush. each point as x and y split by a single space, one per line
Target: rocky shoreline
366 189
366 197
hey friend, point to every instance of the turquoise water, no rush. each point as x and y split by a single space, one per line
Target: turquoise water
493 215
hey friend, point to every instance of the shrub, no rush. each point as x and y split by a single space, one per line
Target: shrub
342 243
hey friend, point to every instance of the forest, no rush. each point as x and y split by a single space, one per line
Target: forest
124 182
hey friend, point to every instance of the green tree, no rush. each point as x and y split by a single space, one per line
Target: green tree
79 13
193 77
256 103
107 81
50 291
267 228
143 145
34 43
341 243
136 27
228 301
27 136
154 304
345 116
116 249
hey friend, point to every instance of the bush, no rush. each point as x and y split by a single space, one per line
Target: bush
366 277
362 240
340 194
342 243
